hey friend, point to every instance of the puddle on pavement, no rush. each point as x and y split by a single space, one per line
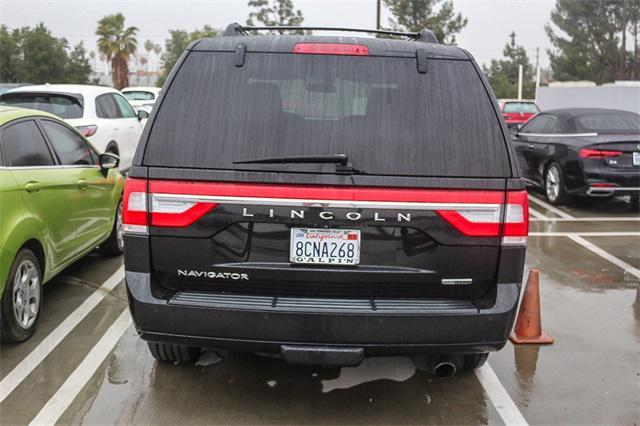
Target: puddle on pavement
398 369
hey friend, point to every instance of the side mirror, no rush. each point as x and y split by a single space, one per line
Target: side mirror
142 114
108 161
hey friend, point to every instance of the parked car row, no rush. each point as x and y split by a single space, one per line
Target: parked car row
101 114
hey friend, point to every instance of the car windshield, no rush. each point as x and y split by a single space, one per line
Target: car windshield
608 122
520 107
388 118
64 106
138 95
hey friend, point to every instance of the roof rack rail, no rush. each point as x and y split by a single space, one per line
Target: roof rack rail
426 36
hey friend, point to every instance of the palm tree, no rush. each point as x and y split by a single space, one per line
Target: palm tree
148 46
117 44
157 49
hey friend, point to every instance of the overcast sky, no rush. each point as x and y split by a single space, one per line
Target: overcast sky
490 21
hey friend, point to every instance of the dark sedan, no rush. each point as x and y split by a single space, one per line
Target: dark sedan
581 152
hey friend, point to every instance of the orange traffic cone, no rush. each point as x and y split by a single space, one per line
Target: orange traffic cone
528 327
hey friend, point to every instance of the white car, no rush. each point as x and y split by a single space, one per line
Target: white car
141 97
102 114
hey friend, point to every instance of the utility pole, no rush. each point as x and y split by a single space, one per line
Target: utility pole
520 67
378 14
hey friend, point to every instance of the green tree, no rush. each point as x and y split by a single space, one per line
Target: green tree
44 56
117 44
590 39
176 44
417 15
78 68
34 55
503 73
273 13
9 55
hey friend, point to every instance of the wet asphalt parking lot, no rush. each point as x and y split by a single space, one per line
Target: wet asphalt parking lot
85 364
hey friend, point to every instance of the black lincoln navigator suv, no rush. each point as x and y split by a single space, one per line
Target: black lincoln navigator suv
325 199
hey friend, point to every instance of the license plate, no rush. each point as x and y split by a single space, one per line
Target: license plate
636 158
325 246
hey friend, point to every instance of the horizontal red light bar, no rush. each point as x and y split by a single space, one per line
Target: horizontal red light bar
331 49
404 195
598 153
602 185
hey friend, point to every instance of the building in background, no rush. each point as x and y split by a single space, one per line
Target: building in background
624 95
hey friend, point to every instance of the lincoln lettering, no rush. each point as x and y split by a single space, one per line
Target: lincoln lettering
329 215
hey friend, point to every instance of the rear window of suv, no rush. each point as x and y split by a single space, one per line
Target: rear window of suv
61 105
379 111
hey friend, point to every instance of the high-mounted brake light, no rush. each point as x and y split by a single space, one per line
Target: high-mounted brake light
331 49
598 153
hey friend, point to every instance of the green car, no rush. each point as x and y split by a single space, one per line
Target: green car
59 200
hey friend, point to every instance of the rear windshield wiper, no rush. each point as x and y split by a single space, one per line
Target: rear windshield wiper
342 162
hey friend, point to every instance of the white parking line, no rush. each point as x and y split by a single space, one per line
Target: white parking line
538 215
499 397
551 208
605 255
584 234
57 405
49 343
588 219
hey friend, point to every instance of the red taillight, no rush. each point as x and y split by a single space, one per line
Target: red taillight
134 207
87 131
480 221
602 185
598 153
331 49
163 203
516 217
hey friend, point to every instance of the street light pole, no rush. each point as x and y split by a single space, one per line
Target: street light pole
378 14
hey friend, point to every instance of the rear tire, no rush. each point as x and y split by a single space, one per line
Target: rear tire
554 185
22 298
114 245
473 361
166 352
634 205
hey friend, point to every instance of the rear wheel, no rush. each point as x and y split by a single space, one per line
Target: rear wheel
22 297
635 203
473 361
114 245
166 352
554 185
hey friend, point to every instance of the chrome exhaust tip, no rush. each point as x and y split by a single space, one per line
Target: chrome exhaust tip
444 369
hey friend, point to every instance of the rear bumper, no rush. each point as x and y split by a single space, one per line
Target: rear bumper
596 191
265 324
618 182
